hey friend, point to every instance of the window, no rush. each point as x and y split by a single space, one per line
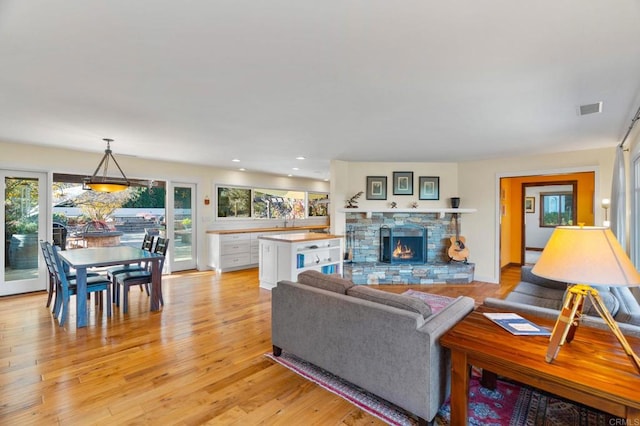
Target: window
234 202
261 203
556 208
278 204
318 204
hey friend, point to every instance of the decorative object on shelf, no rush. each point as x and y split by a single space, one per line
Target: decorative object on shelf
394 205
529 204
584 256
429 188
455 202
105 183
352 202
414 205
402 183
606 203
376 187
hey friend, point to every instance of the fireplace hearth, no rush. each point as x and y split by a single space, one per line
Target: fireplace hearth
403 244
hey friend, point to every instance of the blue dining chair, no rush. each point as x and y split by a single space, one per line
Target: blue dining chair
112 273
67 287
51 274
141 277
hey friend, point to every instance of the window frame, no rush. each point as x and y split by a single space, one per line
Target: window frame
543 211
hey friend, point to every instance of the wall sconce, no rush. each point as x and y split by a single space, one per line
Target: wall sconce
605 205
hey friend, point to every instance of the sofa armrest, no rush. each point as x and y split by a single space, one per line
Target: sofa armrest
629 311
438 324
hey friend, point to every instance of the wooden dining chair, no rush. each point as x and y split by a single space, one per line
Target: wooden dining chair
67 287
141 277
112 273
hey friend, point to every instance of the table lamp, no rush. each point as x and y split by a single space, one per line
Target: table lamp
583 256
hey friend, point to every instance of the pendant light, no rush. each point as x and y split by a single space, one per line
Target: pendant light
104 183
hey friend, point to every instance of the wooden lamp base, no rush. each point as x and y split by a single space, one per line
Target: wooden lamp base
569 319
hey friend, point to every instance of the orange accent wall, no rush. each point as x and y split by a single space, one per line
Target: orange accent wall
511 209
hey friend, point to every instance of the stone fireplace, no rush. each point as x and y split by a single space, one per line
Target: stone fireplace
371 238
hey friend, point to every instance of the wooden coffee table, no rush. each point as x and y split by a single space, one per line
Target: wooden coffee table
592 369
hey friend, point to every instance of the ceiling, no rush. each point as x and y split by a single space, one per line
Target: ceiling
207 81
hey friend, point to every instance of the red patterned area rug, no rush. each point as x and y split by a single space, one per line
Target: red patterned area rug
509 404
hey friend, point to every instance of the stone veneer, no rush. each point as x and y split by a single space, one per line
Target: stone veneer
365 267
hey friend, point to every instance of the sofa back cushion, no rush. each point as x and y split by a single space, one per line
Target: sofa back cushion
527 276
317 279
390 299
610 302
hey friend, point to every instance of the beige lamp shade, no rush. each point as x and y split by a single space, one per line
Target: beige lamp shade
586 255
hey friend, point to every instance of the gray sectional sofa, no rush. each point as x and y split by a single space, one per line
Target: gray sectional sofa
543 297
385 343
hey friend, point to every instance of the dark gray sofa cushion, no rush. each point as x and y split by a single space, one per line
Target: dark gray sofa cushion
610 301
528 276
317 279
391 299
537 295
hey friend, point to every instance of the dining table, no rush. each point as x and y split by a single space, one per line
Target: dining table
97 257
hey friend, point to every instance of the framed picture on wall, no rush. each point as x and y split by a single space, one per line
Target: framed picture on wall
429 187
529 204
402 183
376 187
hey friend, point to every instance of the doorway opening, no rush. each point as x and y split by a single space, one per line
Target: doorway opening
520 211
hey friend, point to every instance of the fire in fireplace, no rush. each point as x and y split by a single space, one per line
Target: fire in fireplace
403 244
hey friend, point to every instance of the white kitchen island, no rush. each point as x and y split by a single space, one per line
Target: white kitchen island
284 256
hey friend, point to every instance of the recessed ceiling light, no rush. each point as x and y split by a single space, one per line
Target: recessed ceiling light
300 157
235 160
295 168
242 169
289 175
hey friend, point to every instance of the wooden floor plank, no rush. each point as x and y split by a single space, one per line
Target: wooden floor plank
200 360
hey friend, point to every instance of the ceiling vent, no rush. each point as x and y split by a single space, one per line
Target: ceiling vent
590 108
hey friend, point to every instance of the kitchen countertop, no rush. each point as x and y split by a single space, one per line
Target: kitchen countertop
272 229
301 237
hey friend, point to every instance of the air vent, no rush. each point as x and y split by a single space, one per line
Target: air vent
590 108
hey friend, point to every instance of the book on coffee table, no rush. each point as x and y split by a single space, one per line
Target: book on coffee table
515 324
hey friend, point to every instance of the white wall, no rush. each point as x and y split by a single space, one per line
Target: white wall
476 182
54 160
479 188
348 178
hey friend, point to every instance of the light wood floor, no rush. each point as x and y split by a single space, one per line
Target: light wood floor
198 361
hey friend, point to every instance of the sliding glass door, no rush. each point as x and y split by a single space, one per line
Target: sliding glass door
23 222
183 210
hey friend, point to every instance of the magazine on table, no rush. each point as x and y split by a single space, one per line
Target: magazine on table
515 324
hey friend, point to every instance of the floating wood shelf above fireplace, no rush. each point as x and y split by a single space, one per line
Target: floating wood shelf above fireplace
441 211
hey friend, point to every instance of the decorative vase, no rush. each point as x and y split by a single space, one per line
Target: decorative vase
455 202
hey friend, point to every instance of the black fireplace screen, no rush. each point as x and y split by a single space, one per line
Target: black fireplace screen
403 244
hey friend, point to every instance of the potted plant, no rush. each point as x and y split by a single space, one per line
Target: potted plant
185 234
23 246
